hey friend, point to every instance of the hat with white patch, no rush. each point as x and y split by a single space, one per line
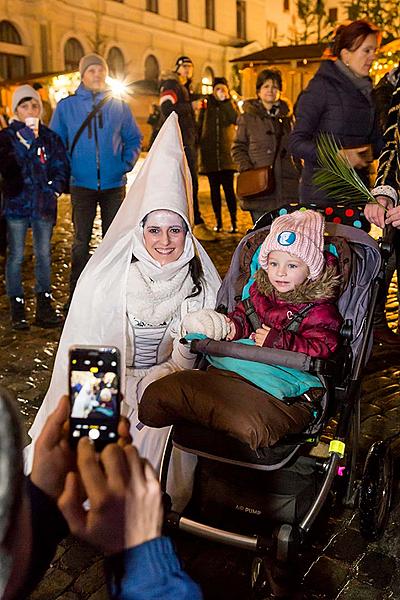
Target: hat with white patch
301 234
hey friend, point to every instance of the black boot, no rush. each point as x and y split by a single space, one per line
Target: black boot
46 315
18 316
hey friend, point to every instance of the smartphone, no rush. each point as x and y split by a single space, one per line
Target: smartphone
95 396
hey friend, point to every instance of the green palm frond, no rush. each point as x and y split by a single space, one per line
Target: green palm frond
335 176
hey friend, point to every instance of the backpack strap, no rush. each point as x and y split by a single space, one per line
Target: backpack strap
86 122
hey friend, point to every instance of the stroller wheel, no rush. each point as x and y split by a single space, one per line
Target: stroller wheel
376 491
270 579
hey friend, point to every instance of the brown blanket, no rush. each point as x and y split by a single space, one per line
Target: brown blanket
223 401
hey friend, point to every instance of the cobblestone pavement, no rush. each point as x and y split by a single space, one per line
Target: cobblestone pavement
338 564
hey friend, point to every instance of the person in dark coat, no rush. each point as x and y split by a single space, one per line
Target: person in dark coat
338 100
217 121
35 169
262 140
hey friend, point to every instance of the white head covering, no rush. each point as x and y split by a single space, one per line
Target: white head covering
97 315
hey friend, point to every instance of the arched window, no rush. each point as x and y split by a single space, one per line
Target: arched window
116 62
12 66
206 81
9 34
151 68
73 52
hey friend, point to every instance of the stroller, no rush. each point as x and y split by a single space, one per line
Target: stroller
267 499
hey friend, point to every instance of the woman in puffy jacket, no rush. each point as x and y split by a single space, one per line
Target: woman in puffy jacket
338 101
217 125
262 140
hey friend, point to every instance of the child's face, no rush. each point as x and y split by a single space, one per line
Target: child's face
286 271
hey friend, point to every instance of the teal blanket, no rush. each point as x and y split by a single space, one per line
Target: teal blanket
280 382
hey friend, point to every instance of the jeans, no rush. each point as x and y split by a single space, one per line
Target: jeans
191 157
224 178
84 206
16 234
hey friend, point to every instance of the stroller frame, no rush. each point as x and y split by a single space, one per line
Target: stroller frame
286 538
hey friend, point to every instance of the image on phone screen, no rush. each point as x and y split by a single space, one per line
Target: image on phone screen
94 396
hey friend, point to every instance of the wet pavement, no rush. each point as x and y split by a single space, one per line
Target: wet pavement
337 564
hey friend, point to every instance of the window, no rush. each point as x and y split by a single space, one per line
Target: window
151 68
286 6
116 63
241 19
73 52
152 6
12 66
183 10
333 15
9 34
210 14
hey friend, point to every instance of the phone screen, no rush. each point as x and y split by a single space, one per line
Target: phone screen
94 389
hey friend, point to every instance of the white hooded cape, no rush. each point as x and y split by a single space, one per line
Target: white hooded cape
97 314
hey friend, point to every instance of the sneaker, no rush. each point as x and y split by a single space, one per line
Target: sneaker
203 233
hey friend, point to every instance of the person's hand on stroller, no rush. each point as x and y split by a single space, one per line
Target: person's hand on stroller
393 216
376 212
260 335
208 322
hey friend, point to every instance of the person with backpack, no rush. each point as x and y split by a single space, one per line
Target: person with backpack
103 142
34 168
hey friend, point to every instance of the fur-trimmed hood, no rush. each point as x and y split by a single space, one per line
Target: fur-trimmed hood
326 287
169 74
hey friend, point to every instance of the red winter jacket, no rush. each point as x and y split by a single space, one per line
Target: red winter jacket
318 333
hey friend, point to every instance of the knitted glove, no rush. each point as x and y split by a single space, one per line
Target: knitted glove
207 321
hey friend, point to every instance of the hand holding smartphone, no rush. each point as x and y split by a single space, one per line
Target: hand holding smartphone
94 392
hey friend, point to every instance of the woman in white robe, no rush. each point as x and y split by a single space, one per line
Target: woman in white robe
126 298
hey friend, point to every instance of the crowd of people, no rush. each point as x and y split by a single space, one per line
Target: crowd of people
150 282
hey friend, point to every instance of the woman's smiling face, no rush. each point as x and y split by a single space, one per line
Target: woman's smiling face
164 234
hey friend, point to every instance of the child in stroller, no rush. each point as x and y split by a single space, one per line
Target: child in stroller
291 307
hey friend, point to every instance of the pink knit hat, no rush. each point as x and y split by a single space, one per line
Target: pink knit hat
300 233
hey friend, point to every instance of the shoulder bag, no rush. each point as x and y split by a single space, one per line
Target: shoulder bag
256 183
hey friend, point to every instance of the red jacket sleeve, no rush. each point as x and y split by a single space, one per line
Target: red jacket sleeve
318 334
243 327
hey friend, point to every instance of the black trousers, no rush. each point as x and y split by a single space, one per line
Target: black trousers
224 178
191 157
84 206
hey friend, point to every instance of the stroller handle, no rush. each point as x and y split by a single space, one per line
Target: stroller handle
270 356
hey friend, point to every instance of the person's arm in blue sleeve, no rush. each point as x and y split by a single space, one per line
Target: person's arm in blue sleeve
149 571
131 138
58 125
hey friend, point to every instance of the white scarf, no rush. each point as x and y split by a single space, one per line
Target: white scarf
156 302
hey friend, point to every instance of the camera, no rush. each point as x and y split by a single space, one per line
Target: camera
94 392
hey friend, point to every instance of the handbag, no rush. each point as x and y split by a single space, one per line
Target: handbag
256 182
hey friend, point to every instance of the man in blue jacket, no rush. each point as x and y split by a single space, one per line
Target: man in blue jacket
101 153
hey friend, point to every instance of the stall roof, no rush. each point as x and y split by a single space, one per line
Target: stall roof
33 77
284 53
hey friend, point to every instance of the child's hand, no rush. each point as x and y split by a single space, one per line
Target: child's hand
232 330
261 335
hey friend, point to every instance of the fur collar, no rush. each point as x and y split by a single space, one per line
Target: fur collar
256 108
325 288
